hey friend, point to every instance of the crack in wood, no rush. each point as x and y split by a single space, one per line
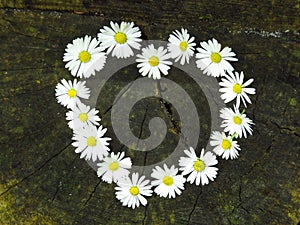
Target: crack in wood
194 206
56 191
246 210
170 115
290 130
35 171
145 215
257 162
92 193
142 125
167 107
140 135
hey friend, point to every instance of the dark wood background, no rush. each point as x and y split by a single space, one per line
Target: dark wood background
42 180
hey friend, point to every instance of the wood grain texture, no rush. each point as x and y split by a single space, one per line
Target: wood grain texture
267 15
42 180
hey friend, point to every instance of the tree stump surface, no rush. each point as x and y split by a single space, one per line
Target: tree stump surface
43 181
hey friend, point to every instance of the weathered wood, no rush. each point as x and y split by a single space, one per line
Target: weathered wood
42 180
267 15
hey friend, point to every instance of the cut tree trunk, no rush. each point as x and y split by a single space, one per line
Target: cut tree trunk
42 179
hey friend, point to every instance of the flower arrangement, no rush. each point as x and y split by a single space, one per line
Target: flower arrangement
84 56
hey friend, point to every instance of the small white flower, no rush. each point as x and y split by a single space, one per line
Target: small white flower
84 57
131 192
181 46
153 61
68 93
167 181
224 145
113 168
91 143
212 60
120 39
233 87
235 122
199 169
81 116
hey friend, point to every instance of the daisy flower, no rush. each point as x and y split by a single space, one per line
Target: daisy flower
235 122
81 116
167 181
91 143
120 39
68 93
224 145
199 169
233 87
84 57
212 60
181 46
153 61
114 167
131 192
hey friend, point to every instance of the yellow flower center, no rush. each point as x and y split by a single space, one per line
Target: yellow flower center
183 46
83 117
84 56
91 141
199 165
114 166
237 120
168 180
215 57
120 38
153 61
226 144
237 88
134 190
72 93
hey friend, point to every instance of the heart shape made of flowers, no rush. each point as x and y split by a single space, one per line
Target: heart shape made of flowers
85 56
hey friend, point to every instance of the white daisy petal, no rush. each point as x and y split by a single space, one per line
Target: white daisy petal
114 167
84 57
212 60
168 183
131 192
152 62
81 116
198 168
68 94
120 39
234 88
235 122
90 144
181 46
224 145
